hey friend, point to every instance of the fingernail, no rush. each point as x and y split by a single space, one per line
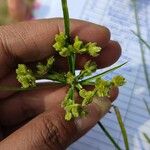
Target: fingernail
96 110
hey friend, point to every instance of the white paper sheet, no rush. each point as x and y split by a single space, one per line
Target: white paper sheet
118 16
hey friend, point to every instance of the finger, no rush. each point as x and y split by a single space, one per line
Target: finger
50 131
19 10
9 81
109 55
23 106
32 41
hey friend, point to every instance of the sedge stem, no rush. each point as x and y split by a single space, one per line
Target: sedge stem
109 136
66 19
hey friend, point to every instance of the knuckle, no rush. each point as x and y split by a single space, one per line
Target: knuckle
50 134
56 132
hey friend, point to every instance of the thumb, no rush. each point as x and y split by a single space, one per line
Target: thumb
19 10
50 131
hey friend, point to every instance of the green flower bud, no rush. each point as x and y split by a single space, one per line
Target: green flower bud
92 49
68 116
73 111
77 43
118 81
64 52
87 96
102 87
25 76
50 62
70 78
60 41
89 68
78 46
43 69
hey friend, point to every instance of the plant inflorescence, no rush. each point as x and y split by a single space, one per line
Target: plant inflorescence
101 87
69 49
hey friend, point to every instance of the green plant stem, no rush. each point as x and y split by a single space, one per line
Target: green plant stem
66 19
141 44
109 136
17 89
142 40
122 127
89 80
72 57
79 86
146 137
147 107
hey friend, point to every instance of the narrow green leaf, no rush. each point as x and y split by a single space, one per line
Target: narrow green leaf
140 38
141 44
66 19
17 89
8 88
56 77
147 107
146 137
109 136
122 127
101 74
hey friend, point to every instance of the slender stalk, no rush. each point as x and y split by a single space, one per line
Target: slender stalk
141 44
140 38
72 57
122 127
66 19
17 89
109 135
147 107
146 137
89 80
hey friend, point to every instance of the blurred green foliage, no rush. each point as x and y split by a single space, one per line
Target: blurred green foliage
4 15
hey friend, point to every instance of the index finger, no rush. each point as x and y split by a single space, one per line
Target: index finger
32 41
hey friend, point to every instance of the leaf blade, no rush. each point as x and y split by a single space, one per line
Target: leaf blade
109 135
122 127
103 73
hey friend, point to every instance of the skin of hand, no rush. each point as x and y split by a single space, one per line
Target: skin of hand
34 120
19 10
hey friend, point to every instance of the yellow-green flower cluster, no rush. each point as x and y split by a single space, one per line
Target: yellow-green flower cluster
73 111
101 87
43 69
25 76
89 68
118 80
87 96
70 78
78 47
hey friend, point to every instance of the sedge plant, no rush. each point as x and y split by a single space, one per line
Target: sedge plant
142 43
69 49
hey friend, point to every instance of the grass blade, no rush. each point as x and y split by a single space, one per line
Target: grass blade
140 38
102 74
122 127
147 107
109 136
39 85
141 44
146 137
8 88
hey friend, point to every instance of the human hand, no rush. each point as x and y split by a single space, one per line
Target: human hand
34 120
19 10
